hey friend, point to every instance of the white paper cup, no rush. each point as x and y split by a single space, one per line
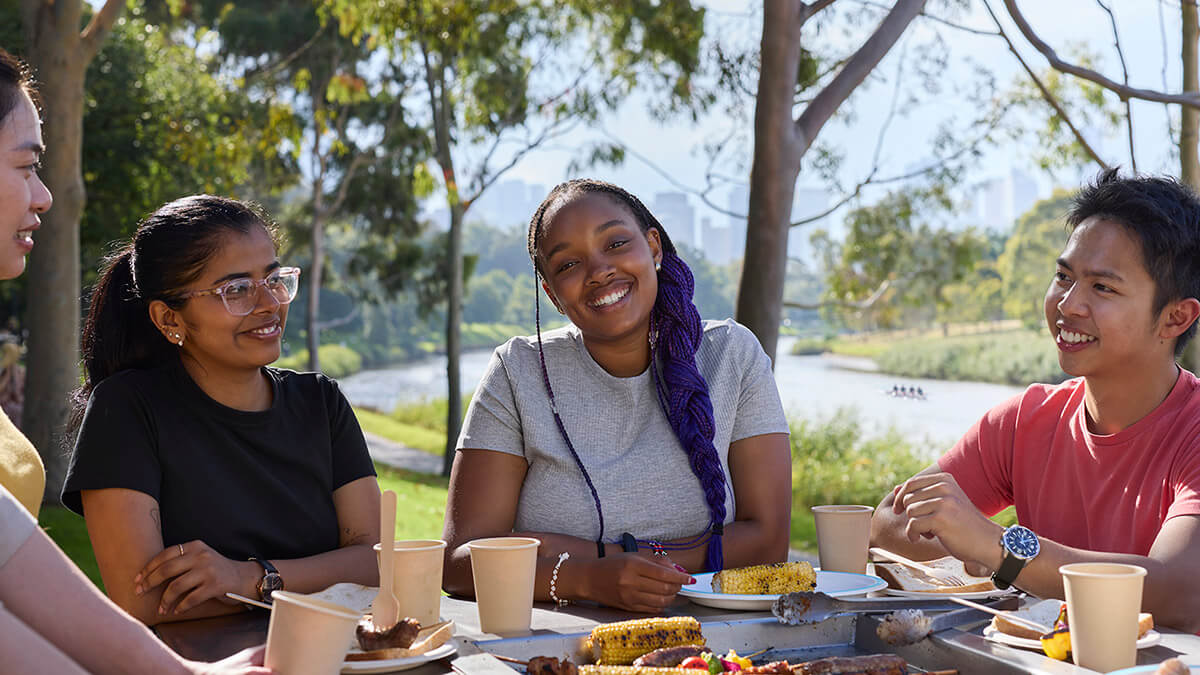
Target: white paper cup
1103 601
417 578
504 569
308 636
843 536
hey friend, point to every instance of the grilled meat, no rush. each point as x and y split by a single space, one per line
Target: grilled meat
370 637
669 657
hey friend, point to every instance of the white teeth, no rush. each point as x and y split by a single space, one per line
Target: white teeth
1075 338
265 330
610 298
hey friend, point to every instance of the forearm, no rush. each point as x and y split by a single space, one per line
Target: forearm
1172 596
744 543
356 564
458 579
45 592
27 652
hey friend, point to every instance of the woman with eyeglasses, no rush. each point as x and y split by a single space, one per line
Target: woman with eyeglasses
201 470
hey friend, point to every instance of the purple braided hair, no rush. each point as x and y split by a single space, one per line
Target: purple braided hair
676 333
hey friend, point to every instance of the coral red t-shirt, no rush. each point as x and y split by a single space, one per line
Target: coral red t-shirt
1109 493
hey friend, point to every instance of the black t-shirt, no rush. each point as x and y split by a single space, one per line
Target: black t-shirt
246 483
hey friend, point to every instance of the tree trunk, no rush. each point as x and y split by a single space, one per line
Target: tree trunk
52 35
1189 133
773 174
780 144
314 284
454 304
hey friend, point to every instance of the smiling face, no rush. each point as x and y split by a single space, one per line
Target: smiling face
1100 305
216 339
598 267
23 196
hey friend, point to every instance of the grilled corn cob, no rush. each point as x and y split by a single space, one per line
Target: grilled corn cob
785 577
622 642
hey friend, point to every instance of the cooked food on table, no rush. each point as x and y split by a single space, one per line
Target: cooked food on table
770 579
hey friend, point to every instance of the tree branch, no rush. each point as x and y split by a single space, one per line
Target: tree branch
867 303
1046 93
1190 100
98 28
936 19
1112 20
813 8
341 321
857 69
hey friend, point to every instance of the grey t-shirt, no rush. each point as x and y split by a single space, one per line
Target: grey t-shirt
620 431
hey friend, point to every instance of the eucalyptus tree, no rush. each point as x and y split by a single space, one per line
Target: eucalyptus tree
503 78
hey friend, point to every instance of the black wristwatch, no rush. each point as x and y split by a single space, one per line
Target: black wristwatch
270 582
1020 546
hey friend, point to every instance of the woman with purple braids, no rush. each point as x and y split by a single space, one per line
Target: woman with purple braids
638 443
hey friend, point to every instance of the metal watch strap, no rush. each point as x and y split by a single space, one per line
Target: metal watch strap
1006 574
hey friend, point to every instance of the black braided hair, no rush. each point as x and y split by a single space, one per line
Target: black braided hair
675 336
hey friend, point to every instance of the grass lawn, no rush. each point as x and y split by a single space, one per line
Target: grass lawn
421 502
411 435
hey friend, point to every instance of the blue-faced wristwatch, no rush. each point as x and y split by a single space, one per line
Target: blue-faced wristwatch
1020 546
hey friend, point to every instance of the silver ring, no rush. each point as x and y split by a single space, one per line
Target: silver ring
180 550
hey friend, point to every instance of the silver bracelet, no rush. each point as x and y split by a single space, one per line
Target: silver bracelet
561 602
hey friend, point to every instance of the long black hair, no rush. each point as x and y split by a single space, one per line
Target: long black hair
168 252
16 80
675 335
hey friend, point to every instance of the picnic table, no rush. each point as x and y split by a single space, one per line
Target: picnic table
557 632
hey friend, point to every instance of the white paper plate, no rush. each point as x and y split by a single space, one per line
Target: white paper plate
389 665
975 595
1151 638
836 584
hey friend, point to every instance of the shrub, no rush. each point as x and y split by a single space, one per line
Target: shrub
336 361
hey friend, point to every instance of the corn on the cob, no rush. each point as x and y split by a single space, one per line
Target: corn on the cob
635 670
785 577
622 642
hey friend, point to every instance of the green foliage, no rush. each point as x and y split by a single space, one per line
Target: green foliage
1026 266
810 346
428 414
835 462
336 361
413 436
69 531
888 242
1014 357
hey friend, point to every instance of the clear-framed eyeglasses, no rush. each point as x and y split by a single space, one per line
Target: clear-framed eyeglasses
241 295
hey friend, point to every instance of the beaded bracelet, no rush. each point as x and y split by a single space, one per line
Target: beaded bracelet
561 602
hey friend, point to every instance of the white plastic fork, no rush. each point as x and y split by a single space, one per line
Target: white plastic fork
949 578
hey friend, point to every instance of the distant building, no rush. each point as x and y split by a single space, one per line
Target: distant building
739 203
997 203
807 202
677 216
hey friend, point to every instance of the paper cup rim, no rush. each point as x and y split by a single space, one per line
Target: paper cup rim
504 543
1087 569
842 508
425 545
314 604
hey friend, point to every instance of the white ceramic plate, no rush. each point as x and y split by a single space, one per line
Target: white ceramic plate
1148 669
976 595
1151 638
836 584
389 665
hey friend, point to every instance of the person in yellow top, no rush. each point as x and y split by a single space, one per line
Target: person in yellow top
23 197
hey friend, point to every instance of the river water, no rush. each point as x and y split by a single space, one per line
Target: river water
810 387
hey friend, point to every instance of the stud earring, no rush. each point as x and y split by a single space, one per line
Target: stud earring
178 339
658 267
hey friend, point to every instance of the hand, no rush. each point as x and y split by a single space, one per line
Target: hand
937 507
248 661
633 582
193 573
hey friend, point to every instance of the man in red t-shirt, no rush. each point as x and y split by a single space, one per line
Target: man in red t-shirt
1103 467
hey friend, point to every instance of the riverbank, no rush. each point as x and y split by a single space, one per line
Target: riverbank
1000 353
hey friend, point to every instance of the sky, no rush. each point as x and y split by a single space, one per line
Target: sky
1064 24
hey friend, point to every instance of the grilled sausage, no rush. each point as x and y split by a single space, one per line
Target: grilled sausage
876 664
669 657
